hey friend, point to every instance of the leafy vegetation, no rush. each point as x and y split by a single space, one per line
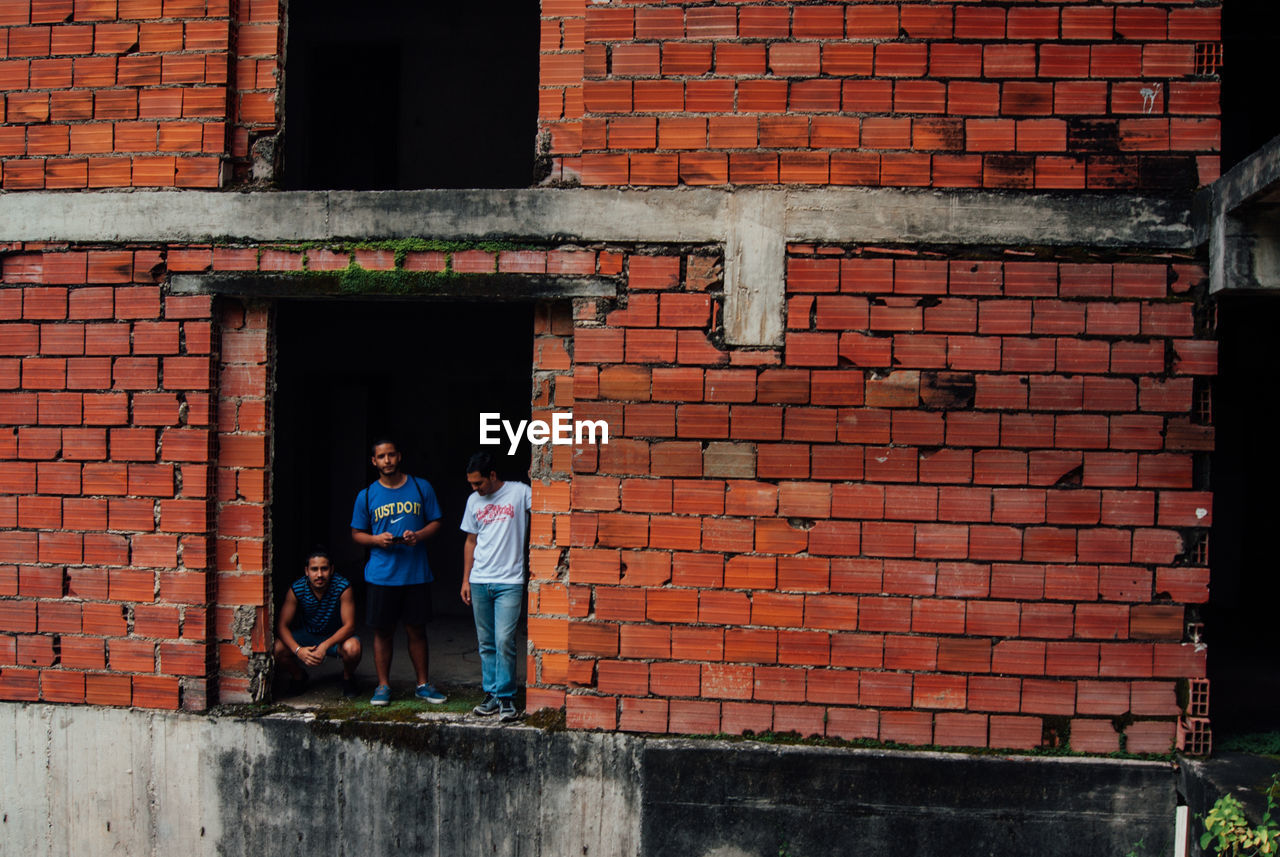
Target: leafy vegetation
1229 831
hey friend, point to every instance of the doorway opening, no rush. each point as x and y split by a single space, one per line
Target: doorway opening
422 373
401 94
1244 586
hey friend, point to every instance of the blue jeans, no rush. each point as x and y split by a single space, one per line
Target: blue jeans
497 610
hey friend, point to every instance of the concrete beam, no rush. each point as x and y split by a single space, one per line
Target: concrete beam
753 225
847 215
1239 217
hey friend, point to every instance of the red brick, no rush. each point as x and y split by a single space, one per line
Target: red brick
108 689
992 618
156 691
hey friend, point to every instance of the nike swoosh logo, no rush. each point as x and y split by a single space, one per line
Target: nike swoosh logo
393 520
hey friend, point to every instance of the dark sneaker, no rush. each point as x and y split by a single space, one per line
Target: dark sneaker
350 688
507 710
429 694
381 695
488 707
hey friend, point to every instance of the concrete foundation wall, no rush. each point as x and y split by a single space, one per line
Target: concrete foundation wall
90 781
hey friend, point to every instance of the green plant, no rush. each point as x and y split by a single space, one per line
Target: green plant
1230 832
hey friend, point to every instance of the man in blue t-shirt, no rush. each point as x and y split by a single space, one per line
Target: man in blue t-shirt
318 618
393 518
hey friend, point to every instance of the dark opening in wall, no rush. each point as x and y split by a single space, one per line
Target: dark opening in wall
402 94
421 372
1250 46
1244 587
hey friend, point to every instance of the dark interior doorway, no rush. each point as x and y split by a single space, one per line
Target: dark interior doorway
421 372
1244 587
402 94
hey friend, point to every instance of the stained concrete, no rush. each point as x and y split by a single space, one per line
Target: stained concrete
755 269
681 216
807 800
91 781
508 287
1239 217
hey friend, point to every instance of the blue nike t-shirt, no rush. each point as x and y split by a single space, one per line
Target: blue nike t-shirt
379 509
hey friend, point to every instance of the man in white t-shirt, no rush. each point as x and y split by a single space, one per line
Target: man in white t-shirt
496 522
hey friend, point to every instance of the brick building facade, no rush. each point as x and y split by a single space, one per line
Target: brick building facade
920 464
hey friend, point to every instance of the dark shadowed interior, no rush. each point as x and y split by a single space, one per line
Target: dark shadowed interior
1240 619
401 94
1250 42
421 372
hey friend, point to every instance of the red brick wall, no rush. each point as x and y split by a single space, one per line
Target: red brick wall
135 462
255 102
958 507
104 567
242 620
133 93
1024 95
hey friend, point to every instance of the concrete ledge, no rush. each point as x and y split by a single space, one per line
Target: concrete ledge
91 781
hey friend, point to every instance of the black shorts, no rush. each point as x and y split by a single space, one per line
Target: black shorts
387 605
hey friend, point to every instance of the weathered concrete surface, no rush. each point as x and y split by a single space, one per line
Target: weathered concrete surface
90 782
701 799
509 287
1239 217
755 261
686 215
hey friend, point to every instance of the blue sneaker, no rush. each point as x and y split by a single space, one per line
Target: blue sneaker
381 695
428 693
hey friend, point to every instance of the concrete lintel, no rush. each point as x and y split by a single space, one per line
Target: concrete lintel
509 287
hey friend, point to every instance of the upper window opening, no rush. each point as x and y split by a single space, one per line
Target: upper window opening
1248 57
401 94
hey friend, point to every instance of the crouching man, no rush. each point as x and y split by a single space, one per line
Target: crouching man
496 522
318 618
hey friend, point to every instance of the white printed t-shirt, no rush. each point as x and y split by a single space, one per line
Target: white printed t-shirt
501 524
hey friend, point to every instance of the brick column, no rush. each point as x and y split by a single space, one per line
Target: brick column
243 622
